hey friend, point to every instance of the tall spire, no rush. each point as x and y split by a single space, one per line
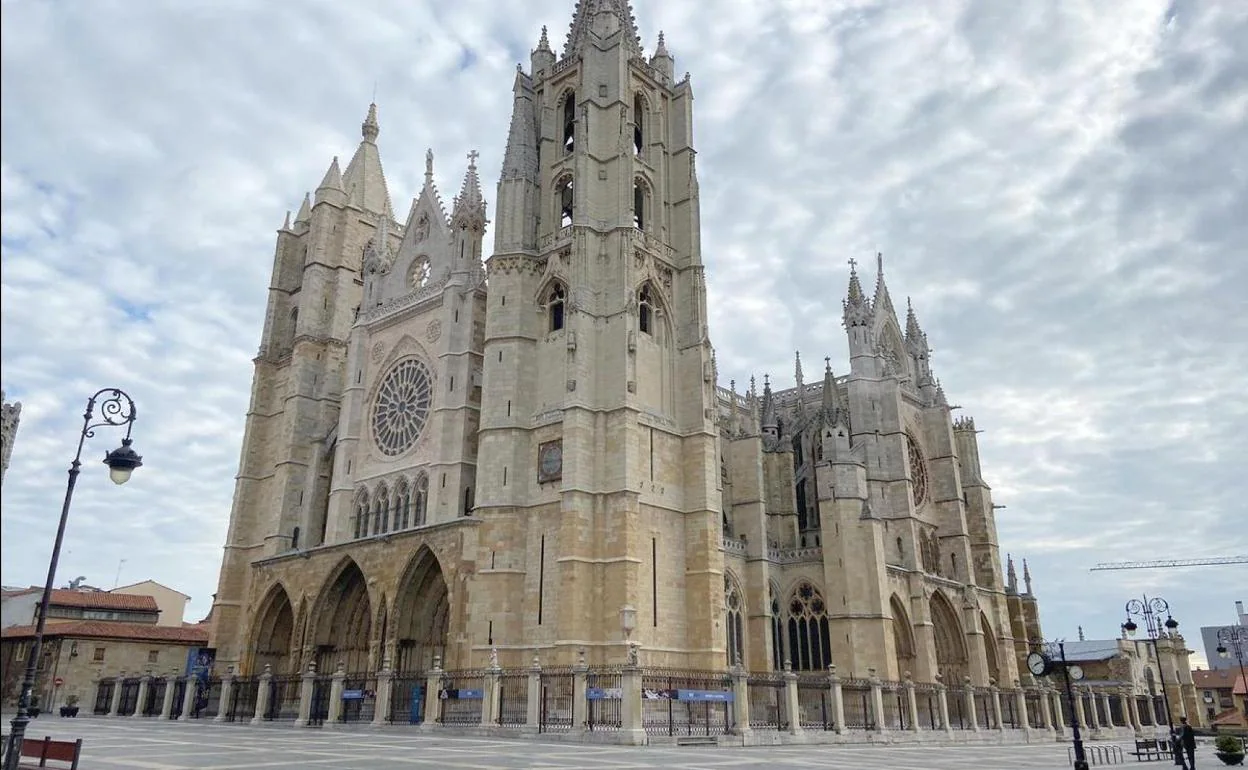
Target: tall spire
429 167
797 370
1011 579
469 207
829 391
770 423
520 160
619 16
305 209
881 301
543 43
856 307
364 180
1026 577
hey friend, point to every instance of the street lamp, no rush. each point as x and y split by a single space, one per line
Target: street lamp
1044 663
1237 639
1150 611
116 410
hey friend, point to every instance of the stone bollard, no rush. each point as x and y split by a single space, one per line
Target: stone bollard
145 684
533 706
385 694
224 706
307 694
433 695
171 687
792 703
264 692
338 684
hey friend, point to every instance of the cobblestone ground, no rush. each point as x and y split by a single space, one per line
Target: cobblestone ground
110 744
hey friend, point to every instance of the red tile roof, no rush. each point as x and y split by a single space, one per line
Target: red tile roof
103 629
1215 679
102 600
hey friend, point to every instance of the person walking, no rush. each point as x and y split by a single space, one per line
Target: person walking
1187 743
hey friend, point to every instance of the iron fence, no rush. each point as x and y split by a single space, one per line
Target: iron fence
513 698
322 686
284 693
927 699
1035 715
104 696
179 697
461 694
155 700
242 705
859 714
958 718
683 702
359 698
558 710
768 701
207 698
407 698
603 700
984 714
129 697
1009 710
814 704
896 707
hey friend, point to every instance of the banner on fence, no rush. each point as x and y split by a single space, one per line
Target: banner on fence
356 694
462 694
715 696
604 693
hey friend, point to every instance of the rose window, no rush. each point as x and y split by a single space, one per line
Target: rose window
402 407
918 470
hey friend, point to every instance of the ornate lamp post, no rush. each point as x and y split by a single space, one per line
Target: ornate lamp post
1043 663
116 410
1150 611
1235 638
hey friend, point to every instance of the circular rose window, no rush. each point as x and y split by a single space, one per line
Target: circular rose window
918 470
402 407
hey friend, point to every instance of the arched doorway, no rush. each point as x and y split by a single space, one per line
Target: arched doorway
421 614
950 643
344 622
903 638
990 648
272 634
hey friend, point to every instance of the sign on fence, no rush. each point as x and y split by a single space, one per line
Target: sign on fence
716 696
604 693
462 694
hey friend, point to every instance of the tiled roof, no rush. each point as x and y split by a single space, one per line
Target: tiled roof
102 600
1215 679
102 629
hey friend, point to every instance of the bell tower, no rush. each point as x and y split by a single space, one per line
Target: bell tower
598 468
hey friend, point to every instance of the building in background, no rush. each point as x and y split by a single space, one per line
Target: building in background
1209 636
10 416
1221 696
170 602
1122 688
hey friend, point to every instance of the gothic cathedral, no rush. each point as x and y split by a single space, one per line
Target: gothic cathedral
446 457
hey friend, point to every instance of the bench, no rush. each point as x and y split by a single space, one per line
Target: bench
1149 750
46 750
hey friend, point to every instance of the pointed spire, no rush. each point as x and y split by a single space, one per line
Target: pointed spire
1026 577
369 127
470 203
1011 581
333 177
881 301
829 391
286 224
856 308
543 43
770 423
913 332
520 159
797 368
661 48
305 209
364 180
429 166
583 23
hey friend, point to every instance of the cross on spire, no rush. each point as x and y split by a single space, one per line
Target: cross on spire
853 264
472 158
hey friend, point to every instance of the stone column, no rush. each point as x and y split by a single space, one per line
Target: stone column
996 706
741 699
942 697
227 692
115 706
580 671
385 694
145 684
1046 708
264 691
877 698
1080 714
968 696
791 703
838 699
338 684
307 691
433 695
1096 715
1020 707
1061 719
1133 711
188 698
492 685
631 722
912 702
533 706
171 685
1109 712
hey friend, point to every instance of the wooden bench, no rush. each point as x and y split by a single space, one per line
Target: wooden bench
47 750
1149 750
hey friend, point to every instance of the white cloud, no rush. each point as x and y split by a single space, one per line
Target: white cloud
1061 188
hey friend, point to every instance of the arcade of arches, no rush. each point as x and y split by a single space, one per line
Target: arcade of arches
352 627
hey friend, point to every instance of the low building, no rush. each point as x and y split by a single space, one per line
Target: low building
78 653
21 607
171 602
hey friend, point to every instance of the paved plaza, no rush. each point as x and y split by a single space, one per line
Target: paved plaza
157 745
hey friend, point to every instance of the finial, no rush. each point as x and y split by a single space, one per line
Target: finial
732 385
797 370
544 43
1081 634
753 387
661 48
370 129
429 165
766 382
879 264
1026 577
472 158
827 364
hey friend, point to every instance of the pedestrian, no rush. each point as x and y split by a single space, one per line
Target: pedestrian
1187 742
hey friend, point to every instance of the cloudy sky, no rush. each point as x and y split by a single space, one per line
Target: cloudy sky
1061 187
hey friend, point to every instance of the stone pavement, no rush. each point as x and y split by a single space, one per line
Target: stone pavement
111 744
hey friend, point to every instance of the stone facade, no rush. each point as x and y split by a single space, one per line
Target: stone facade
11 415
434 468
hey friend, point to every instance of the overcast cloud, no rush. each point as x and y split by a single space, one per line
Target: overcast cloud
1061 187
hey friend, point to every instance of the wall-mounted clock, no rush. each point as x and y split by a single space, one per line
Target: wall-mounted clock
550 461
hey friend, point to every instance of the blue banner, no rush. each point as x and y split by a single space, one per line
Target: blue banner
353 695
604 693
716 696
462 694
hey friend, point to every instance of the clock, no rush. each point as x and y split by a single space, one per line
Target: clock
550 461
1076 673
1038 664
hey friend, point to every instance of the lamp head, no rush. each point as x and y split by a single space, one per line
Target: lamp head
1129 627
121 462
1171 623
1223 652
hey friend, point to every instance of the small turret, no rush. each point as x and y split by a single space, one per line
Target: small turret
305 211
542 58
770 425
330 189
662 60
364 180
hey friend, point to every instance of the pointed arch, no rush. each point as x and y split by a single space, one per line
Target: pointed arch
565 198
950 641
640 111
421 613
272 634
381 509
298 637
647 304
734 619
361 513
567 109
641 202
990 648
402 505
420 499
554 299
343 619
808 639
903 637
777 626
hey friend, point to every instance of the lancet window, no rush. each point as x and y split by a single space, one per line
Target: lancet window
569 121
733 622
556 299
645 310
639 117
808 644
639 204
565 197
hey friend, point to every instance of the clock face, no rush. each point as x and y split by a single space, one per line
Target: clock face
550 461
1037 664
1076 673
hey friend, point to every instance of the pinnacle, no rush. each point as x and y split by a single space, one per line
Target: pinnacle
583 21
543 44
333 177
661 48
881 300
913 332
369 127
305 209
470 201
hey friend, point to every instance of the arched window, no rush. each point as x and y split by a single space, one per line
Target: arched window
639 117
639 204
733 609
294 538
565 197
555 300
569 121
294 326
361 515
402 506
381 512
810 645
777 631
645 310
467 501
422 496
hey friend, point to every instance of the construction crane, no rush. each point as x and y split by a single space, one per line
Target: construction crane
1213 561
